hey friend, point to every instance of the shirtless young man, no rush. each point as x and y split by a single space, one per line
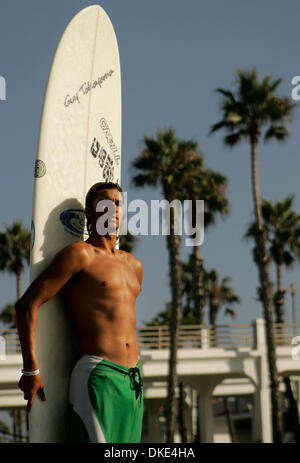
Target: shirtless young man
99 284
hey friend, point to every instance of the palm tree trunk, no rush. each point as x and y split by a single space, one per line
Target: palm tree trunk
293 408
198 287
279 305
255 189
229 420
266 299
19 284
197 437
213 310
199 310
279 296
181 415
173 242
198 290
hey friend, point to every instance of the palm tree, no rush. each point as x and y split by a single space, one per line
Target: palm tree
253 107
14 254
127 242
8 315
221 294
15 251
167 161
283 233
209 186
218 294
181 414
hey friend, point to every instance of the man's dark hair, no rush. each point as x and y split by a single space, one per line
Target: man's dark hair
92 194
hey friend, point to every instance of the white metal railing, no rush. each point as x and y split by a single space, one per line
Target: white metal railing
285 332
197 336
11 341
8 438
190 336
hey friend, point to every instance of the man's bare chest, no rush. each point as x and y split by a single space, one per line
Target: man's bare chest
106 276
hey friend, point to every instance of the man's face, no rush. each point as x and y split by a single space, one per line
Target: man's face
116 202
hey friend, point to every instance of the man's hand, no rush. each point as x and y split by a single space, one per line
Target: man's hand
31 385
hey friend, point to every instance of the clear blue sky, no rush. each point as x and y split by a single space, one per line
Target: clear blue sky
173 56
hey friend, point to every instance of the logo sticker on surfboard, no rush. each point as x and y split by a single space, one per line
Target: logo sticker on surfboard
39 168
105 160
73 221
32 235
110 140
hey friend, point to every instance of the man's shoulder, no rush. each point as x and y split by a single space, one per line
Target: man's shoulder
131 258
79 250
77 246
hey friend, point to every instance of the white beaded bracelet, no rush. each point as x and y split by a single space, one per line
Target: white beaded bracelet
30 373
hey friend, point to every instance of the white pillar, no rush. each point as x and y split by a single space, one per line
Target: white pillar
189 408
206 418
262 411
204 337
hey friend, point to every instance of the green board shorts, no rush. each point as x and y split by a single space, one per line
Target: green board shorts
105 401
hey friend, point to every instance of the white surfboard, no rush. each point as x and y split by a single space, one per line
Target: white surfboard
79 145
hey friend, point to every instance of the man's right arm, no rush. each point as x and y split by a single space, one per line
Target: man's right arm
67 262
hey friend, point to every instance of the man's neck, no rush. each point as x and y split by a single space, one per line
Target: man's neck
107 242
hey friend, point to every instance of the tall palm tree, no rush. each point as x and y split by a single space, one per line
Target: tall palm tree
253 107
209 186
219 294
283 234
14 255
167 161
15 251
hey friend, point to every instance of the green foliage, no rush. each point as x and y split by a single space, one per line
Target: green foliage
252 107
14 247
128 242
8 315
166 160
218 295
282 224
